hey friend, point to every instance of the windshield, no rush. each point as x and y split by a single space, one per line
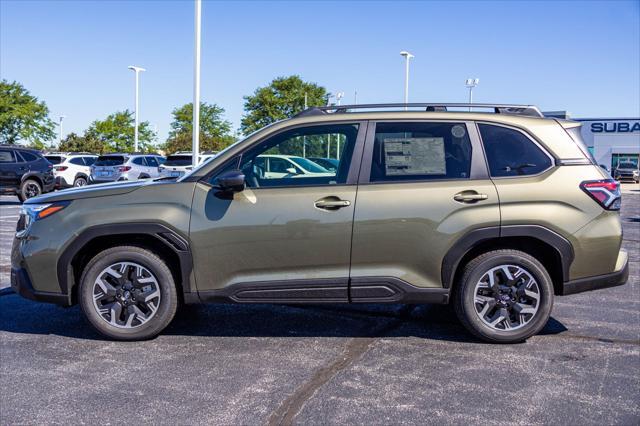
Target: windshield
626 166
109 160
178 160
54 159
308 165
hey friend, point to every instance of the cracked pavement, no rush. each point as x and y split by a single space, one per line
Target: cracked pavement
337 364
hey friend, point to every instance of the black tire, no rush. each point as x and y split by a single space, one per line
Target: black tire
168 300
30 188
466 307
80 181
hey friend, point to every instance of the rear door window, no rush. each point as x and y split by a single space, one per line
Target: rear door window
510 153
420 151
152 162
89 160
139 161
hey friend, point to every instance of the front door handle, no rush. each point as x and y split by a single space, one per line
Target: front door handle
469 197
331 203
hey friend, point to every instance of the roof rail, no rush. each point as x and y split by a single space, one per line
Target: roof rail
509 109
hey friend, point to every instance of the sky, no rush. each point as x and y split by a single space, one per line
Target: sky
583 57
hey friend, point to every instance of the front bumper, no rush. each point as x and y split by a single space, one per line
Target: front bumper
21 284
614 279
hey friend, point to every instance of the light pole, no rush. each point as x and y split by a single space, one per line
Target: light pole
62 117
195 142
471 83
407 56
137 70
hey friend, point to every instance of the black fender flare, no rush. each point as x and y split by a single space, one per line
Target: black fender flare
471 239
163 234
144 176
33 176
81 175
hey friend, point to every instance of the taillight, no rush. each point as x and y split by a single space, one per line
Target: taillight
124 168
605 192
60 168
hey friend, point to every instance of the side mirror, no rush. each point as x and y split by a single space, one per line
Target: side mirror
231 181
292 171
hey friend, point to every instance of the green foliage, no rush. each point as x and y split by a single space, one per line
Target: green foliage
77 143
22 116
215 131
116 133
282 98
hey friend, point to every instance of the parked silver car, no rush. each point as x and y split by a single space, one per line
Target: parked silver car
123 167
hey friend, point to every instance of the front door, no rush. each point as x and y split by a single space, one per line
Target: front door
285 237
423 186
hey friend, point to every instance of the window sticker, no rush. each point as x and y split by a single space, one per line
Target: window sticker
414 156
458 131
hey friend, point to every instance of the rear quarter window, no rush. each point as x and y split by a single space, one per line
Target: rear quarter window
511 153
77 161
29 156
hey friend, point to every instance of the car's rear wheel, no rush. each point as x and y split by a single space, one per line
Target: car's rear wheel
30 188
504 296
128 293
80 181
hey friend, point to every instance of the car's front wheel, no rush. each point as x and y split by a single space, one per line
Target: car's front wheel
128 293
504 296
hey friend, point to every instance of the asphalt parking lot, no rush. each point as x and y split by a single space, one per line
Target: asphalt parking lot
339 364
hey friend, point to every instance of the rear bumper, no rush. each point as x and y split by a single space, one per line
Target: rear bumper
614 279
21 284
61 182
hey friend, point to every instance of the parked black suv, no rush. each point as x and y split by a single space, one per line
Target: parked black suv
24 172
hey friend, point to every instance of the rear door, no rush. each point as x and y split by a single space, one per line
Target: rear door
9 169
423 185
152 166
282 238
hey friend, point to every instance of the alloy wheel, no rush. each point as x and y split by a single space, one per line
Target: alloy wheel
126 295
507 297
31 189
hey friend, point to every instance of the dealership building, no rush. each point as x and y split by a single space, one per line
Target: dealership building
610 140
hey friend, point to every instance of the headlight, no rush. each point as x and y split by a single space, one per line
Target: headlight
30 213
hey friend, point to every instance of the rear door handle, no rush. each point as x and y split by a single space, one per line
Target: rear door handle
469 197
331 203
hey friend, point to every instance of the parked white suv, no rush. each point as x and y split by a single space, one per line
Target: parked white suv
122 167
71 169
180 163
280 166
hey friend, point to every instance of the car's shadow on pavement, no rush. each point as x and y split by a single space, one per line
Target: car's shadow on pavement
227 320
10 203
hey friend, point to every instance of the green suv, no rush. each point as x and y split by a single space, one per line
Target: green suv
495 212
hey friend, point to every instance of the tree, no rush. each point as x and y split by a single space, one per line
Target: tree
282 98
215 131
116 133
77 143
22 116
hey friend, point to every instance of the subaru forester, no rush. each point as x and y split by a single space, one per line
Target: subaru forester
496 212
